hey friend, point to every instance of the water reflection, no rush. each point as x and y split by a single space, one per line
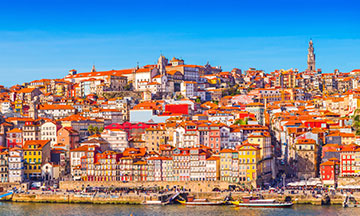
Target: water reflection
8 208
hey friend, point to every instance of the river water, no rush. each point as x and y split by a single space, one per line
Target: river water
8 208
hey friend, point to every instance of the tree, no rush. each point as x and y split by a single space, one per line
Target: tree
179 97
91 129
128 86
241 122
96 130
198 100
101 129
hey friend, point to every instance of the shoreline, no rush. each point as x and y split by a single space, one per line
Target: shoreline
139 199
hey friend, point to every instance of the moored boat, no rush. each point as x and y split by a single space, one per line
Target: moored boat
192 201
258 202
152 202
350 202
197 202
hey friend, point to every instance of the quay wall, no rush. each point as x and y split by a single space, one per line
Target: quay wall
138 199
46 198
195 186
343 181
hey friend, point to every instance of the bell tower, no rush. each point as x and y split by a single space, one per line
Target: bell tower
161 64
311 57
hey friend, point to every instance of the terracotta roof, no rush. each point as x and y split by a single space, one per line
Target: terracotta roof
39 143
55 107
15 130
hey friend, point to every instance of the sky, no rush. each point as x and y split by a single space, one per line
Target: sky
45 39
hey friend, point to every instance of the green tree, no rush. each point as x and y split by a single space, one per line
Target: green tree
356 121
101 129
241 122
91 129
96 130
198 100
128 86
179 97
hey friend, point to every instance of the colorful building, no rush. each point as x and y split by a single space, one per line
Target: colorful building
36 153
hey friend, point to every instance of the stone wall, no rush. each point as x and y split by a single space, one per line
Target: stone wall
47 198
8 185
194 186
342 181
138 199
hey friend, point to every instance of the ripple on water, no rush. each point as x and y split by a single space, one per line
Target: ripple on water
30 209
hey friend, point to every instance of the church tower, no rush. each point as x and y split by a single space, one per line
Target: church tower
93 69
33 111
161 64
311 57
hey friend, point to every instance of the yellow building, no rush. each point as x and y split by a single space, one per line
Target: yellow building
18 106
226 164
36 153
154 138
249 156
263 140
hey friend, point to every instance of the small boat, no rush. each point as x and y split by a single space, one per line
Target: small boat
152 202
198 202
192 201
6 196
259 202
350 202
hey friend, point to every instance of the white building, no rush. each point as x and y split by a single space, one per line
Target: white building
48 131
116 138
50 171
55 111
75 160
144 75
188 89
5 106
212 168
16 165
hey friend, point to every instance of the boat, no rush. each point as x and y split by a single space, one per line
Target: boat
6 195
259 202
152 202
192 201
350 202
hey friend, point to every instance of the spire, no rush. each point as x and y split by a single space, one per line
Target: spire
93 69
311 57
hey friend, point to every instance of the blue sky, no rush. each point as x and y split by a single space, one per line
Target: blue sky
45 39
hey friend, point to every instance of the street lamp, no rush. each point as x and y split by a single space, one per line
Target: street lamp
284 176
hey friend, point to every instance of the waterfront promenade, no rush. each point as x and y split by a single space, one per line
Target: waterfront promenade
139 198
138 192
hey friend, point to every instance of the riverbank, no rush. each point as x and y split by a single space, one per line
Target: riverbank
46 198
64 209
136 199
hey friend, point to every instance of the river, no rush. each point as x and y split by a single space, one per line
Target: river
9 208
